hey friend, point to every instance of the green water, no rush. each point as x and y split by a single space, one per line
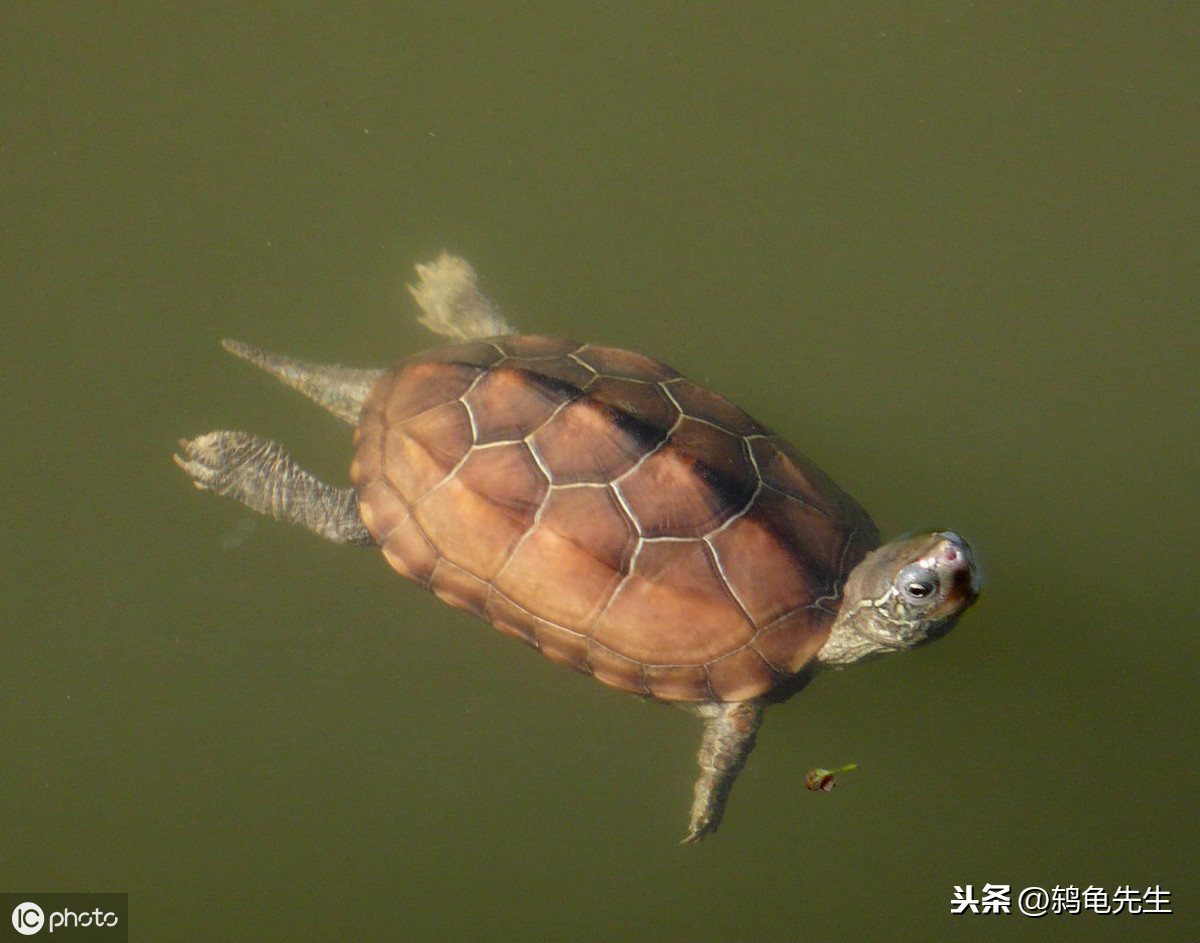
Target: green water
946 248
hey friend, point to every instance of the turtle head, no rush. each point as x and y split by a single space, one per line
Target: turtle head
902 595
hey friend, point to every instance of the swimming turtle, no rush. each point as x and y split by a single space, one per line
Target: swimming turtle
605 510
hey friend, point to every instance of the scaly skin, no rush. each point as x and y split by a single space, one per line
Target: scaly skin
729 734
264 477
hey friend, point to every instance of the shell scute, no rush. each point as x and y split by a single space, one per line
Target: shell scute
741 674
589 442
508 479
367 464
536 346
784 469
815 540
701 479
646 401
616 669
770 575
674 608
510 618
418 454
479 515
560 375
703 404
467 529
678 683
614 362
420 386
454 585
790 642
406 547
472 354
508 401
582 541
562 645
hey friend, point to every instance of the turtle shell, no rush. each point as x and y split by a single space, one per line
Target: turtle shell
604 509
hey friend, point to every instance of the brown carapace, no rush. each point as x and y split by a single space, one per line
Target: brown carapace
607 511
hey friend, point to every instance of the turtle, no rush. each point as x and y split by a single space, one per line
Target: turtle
605 510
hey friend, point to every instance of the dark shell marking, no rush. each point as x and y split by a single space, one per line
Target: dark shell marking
597 505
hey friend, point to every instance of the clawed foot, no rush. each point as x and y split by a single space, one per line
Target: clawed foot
699 829
261 475
214 460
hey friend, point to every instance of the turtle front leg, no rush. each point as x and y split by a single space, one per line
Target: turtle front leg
729 732
264 477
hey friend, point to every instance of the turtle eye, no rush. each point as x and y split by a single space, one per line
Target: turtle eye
916 584
919 589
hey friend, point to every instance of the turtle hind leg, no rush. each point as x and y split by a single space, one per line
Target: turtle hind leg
264 477
448 292
729 734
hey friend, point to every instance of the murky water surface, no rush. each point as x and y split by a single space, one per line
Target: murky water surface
948 249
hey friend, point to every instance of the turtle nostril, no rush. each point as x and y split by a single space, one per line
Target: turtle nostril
954 551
